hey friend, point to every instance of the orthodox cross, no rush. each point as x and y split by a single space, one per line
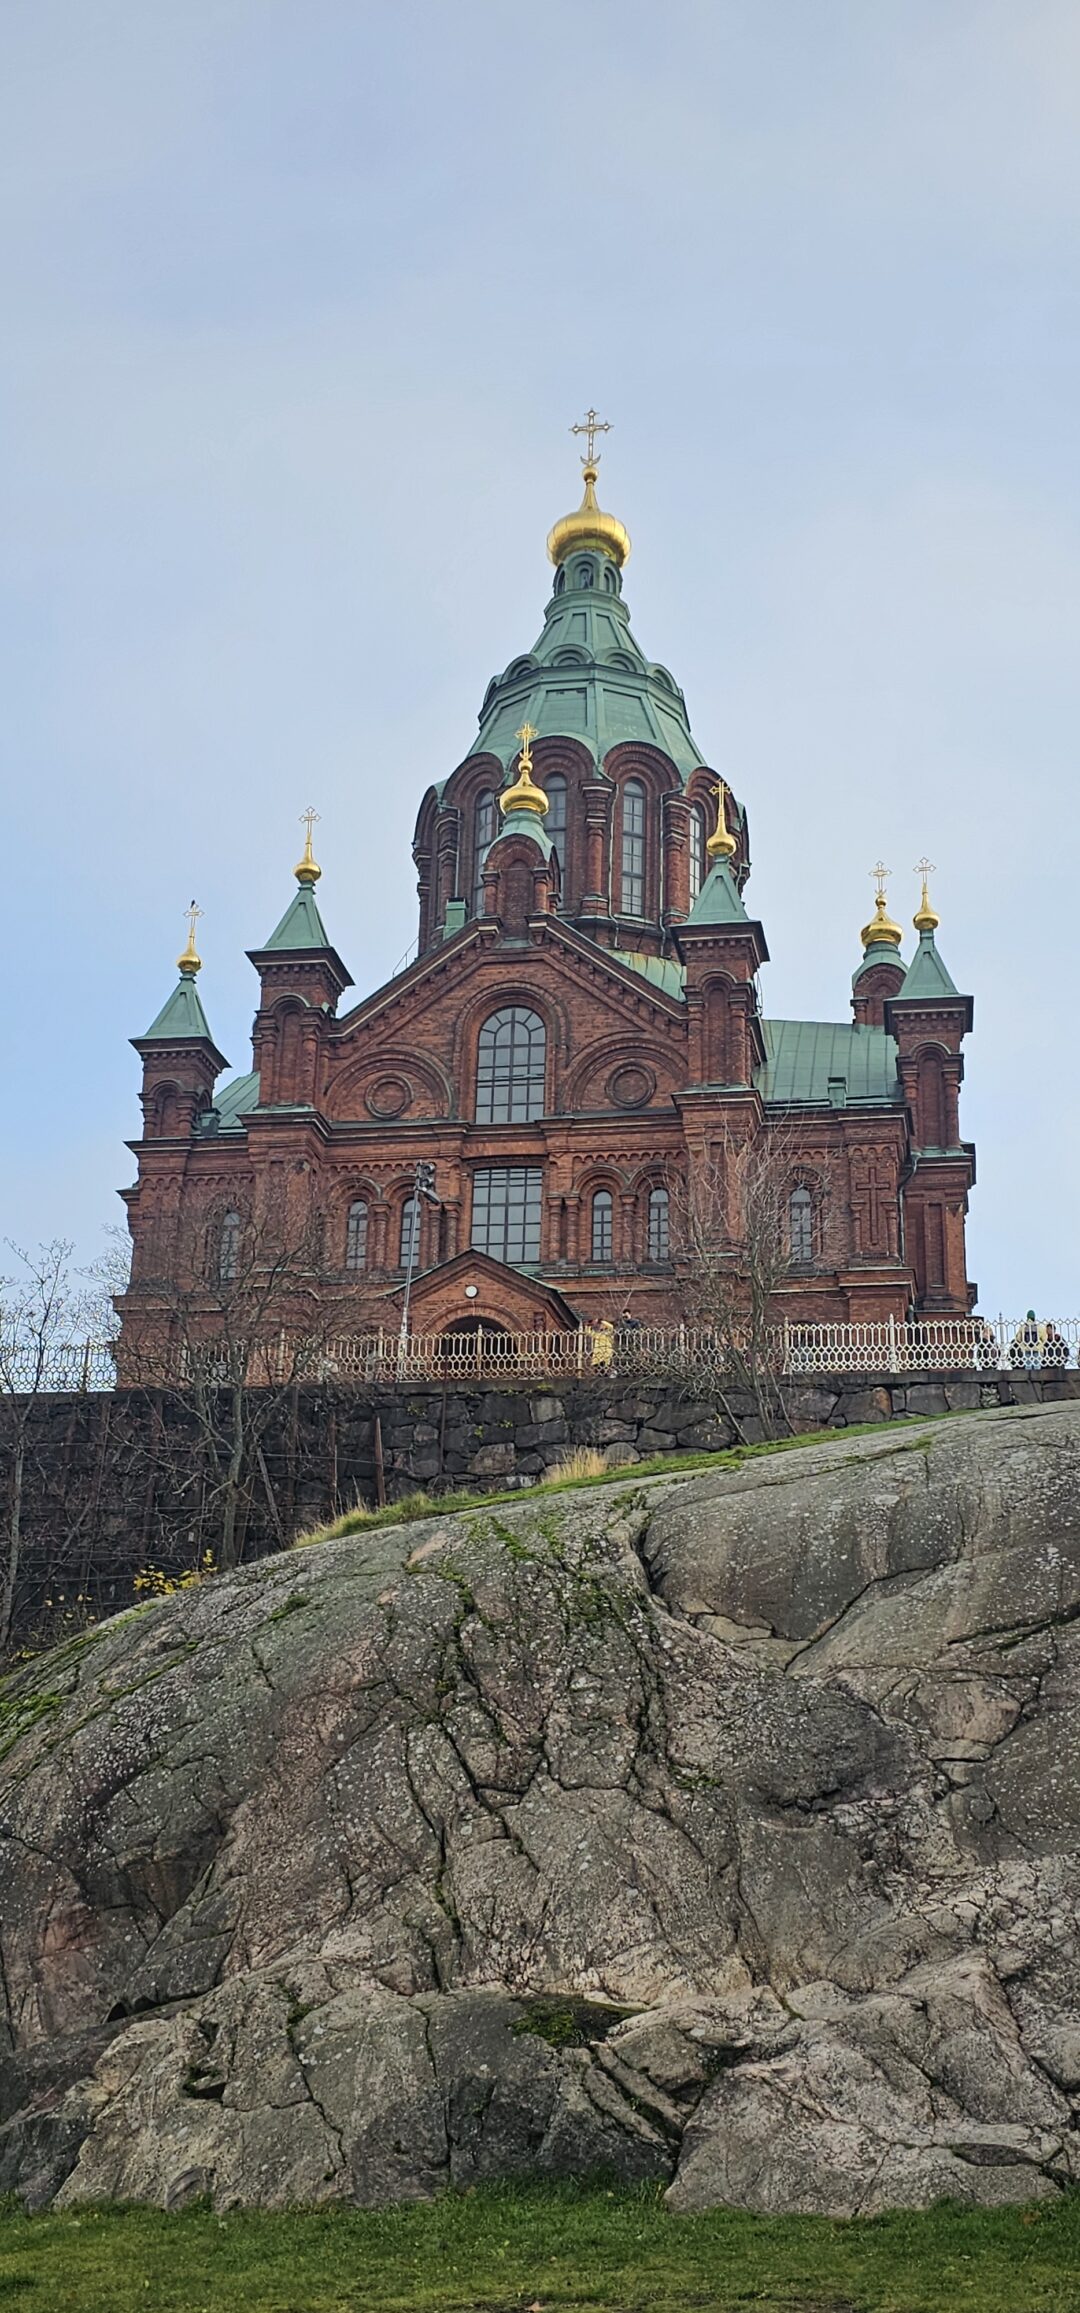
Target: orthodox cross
925 867
309 819
880 874
592 426
192 914
526 735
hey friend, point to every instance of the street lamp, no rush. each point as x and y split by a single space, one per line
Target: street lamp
423 1186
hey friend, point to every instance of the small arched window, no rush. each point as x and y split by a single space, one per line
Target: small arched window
510 1067
931 1101
555 822
659 1225
601 1225
560 582
229 1249
801 1226
610 581
409 1248
697 850
356 1235
483 836
632 854
586 576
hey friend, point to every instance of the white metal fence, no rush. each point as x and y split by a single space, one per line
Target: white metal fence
931 1345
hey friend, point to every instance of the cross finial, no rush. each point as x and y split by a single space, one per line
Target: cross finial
927 920
591 427
190 961
526 735
721 843
881 875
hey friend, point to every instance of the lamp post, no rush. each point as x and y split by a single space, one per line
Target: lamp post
423 1186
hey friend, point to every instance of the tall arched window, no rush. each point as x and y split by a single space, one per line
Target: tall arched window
510 1067
659 1225
555 790
229 1249
483 836
632 855
931 1101
409 1248
601 1225
801 1226
356 1235
697 850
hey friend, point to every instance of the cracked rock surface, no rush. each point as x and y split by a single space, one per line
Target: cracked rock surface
723 1830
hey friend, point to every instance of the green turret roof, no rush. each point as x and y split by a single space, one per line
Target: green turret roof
719 901
926 975
878 952
301 925
181 1019
587 678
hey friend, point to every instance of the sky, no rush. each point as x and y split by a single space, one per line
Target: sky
300 300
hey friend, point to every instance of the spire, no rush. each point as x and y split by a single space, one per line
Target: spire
590 526
928 979
719 901
721 843
926 920
301 925
181 1019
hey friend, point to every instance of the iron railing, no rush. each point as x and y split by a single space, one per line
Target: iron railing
889 1346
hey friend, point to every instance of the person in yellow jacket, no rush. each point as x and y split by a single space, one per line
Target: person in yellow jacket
603 1344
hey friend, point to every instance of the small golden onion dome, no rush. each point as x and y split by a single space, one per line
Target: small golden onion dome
191 961
882 932
307 870
926 919
590 526
524 795
721 843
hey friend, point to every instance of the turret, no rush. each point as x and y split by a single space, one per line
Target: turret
881 972
929 1019
181 1062
301 978
722 949
520 876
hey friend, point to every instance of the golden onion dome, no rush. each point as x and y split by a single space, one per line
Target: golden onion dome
590 526
882 932
721 843
525 795
307 870
190 962
927 918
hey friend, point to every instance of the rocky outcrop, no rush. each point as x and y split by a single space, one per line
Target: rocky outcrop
722 1830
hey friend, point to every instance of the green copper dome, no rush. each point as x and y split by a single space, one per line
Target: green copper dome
586 678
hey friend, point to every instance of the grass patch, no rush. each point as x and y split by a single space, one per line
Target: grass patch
564 1475
564 2247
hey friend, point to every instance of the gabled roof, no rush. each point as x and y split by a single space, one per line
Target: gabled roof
231 1102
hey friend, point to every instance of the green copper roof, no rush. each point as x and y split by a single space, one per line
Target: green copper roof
525 823
810 1060
231 1102
301 925
926 975
181 1018
719 901
879 952
587 678
663 971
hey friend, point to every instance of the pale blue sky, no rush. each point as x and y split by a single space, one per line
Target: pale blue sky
300 298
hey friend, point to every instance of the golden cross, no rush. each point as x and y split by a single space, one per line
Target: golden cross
526 735
309 819
880 873
192 913
592 426
925 867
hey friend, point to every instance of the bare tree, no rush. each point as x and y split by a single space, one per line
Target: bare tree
45 1315
240 1319
732 1245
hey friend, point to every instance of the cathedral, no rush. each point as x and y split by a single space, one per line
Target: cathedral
507 1127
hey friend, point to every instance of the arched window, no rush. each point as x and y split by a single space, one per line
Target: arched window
586 576
229 1249
560 582
697 850
801 1226
601 1225
510 1067
356 1235
555 790
610 580
931 1101
659 1225
409 1249
483 836
632 855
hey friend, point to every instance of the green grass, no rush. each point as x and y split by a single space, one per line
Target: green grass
562 2247
421 1505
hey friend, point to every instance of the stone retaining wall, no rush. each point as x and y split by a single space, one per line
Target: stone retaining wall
116 1482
